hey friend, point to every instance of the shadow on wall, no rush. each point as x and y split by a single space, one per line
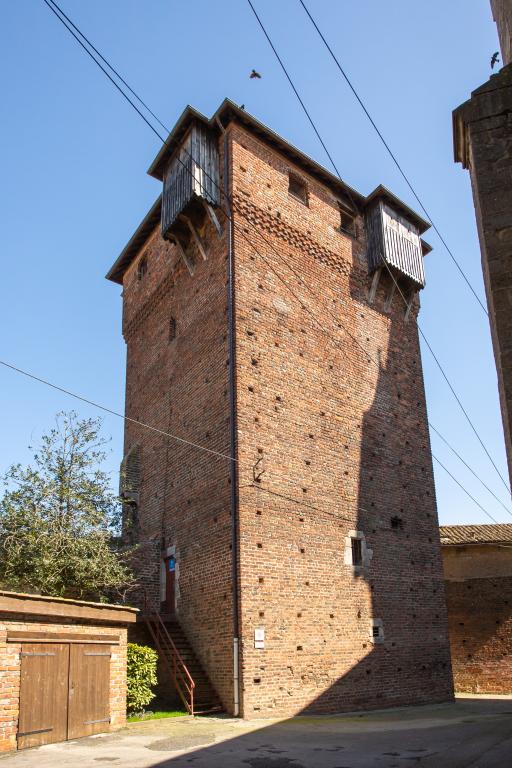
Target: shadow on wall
398 593
404 655
480 620
393 642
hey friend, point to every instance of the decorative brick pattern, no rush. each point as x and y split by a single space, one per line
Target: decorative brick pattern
354 442
342 446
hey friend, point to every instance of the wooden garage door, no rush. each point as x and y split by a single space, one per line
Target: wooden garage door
89 688
43 694
64 692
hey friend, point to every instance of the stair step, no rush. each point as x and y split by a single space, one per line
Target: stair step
203 689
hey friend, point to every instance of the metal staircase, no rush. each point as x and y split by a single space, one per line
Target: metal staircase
182 667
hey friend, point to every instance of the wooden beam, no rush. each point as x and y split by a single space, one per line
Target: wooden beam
195 236
184 256
374 285
409 305
213 217
390 295
31 636
39 605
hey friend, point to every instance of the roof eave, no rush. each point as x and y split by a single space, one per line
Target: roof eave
157 167
383 192
137 240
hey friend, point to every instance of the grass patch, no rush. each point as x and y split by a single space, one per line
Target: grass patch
138 718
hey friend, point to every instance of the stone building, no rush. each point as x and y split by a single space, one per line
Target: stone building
293 540
482 130
477 563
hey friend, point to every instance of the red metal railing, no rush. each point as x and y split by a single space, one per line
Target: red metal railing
175 666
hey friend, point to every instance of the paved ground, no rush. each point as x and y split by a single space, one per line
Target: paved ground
472 733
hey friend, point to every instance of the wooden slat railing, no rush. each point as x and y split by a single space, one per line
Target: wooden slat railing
176 668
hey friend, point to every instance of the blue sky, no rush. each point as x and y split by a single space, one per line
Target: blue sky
73 161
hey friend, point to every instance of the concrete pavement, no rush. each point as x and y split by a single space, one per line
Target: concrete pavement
474 732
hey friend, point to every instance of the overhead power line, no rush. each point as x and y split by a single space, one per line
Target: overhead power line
164 141
436 359
198 446
394 158
464 489
452 449
98 53
115 413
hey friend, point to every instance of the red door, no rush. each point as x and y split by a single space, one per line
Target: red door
170 577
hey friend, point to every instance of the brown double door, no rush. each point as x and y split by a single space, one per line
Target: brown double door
64 692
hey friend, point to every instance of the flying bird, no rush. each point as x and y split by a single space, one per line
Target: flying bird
255 74
494 60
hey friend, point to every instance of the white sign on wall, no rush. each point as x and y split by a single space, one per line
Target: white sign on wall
259 638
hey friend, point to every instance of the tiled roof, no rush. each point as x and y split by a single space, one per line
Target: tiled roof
476 534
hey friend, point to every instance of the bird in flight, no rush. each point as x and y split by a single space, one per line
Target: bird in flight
255 74
494 60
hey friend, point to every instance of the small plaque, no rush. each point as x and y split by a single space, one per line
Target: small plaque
259 638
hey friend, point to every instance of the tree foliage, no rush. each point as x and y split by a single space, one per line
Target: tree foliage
142 676
59 517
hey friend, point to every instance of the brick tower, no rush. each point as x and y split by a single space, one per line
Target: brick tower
300 553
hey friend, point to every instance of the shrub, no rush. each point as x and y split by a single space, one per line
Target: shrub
141 671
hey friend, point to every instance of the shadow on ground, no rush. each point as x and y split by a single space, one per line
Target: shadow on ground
474 732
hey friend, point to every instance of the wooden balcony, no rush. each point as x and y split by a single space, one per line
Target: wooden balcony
394 242
191 179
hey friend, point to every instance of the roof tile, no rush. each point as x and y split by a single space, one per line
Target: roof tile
476 534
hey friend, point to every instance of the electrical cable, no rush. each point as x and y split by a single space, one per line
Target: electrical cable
436 359
394 158
464 489
164 141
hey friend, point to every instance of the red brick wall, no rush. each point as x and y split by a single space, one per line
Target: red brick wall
181 386
10 667
353 442
480 621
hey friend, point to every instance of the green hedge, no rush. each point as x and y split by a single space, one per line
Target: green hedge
141 670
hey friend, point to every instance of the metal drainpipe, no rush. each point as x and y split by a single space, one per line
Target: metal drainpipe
233 431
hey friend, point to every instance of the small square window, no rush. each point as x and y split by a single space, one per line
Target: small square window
298 188
357 552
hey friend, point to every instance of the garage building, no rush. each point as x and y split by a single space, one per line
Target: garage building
62 669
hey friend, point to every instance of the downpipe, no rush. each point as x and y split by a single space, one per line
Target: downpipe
233 433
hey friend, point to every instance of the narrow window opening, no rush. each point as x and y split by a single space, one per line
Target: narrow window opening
142 268
297 188
348 224
357 552
172 328
347 219
377 631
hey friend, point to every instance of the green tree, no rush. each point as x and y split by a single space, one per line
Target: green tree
59 518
